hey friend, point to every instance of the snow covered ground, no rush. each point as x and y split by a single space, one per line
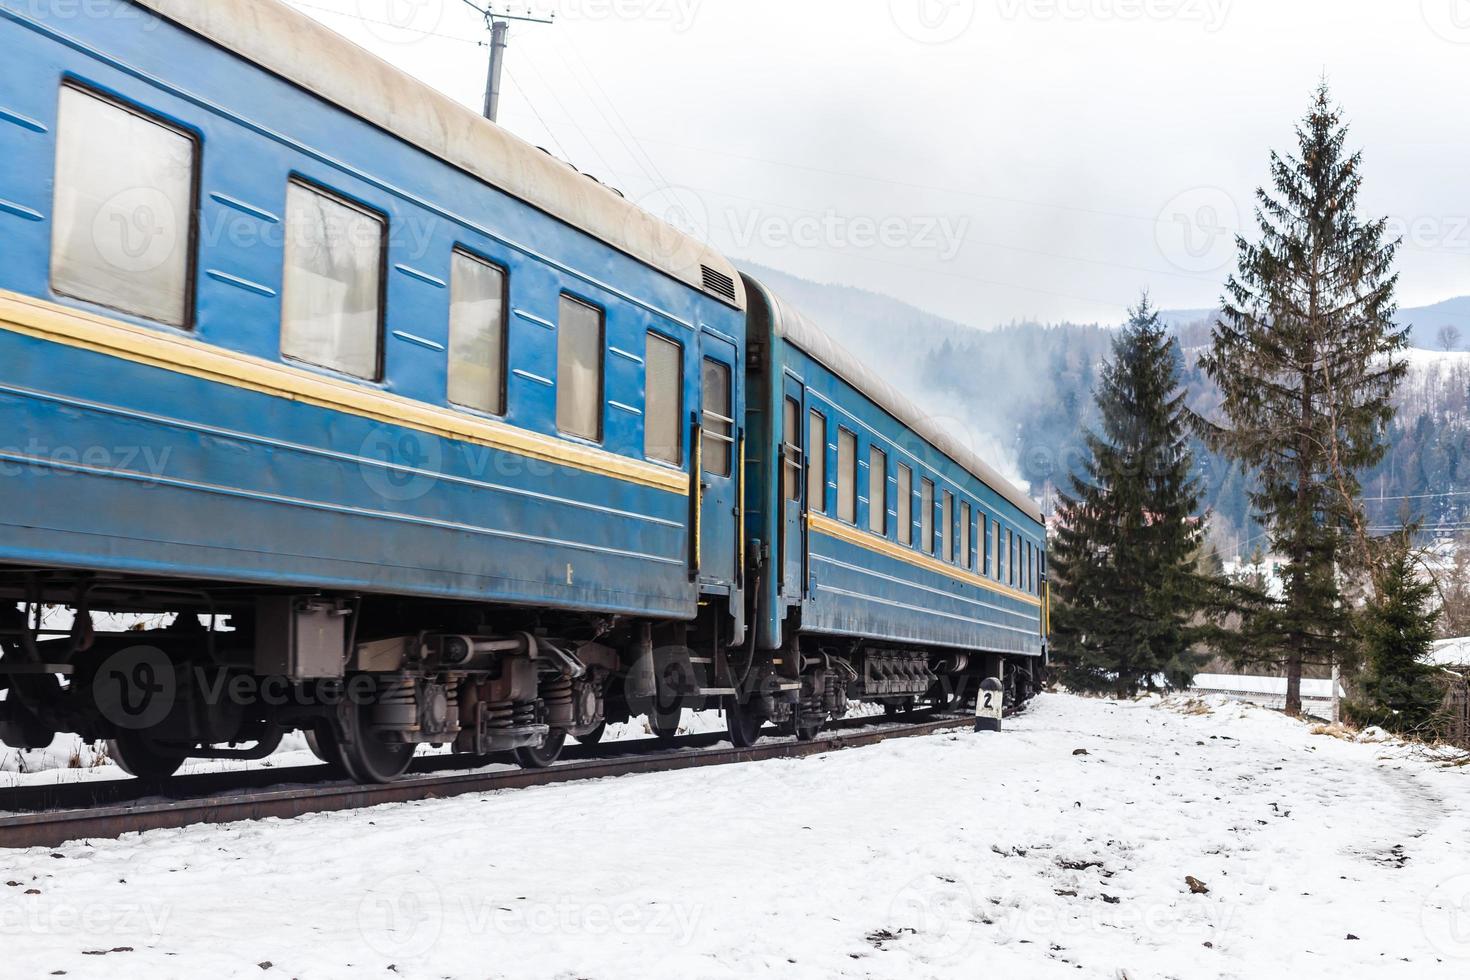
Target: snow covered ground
951 856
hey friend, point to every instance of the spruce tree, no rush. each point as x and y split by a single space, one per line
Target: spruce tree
1397 690
1304 358
1127 587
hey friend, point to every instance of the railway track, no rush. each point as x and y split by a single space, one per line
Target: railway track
46 816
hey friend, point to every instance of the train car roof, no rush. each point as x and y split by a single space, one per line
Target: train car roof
802 332
306 53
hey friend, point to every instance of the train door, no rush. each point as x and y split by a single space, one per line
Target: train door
793 490
718 504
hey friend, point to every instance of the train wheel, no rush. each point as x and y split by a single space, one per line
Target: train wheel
315 745
806 733
325 745
665 724
139 755
743 726
543 755
594 736
367 759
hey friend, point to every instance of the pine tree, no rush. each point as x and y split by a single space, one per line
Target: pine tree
1127 587
1303 356
1397 690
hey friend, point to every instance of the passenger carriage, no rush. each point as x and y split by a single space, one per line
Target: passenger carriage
357 387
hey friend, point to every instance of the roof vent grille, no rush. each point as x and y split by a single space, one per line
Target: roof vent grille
718 282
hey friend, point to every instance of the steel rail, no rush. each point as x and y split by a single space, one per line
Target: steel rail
57 826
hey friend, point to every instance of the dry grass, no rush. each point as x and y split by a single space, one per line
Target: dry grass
95 756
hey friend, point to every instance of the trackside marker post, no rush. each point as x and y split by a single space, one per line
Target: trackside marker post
989 705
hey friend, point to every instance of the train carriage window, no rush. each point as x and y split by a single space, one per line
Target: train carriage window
847 476
926 516
946 525
477 334
719 420
1002 554
816 466
331 304
992 553
579 356
965 558
1011 557
791 450
877 491
982 541
123 227
663 400
905 505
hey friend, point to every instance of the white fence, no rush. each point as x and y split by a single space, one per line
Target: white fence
1269 692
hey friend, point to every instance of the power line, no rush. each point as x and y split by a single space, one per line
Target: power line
591 144
657 174
1418 496
525 94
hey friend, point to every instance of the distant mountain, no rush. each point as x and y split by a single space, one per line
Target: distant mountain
890 335
1021 395
1183 318
901 342
1428 321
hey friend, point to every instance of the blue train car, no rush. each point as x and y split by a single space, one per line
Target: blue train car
900 564
412 434
292 343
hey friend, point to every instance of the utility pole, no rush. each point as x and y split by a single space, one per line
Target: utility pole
499 24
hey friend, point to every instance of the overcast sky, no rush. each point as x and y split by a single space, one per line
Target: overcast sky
988 160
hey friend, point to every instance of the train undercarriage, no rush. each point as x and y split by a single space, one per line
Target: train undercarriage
165 673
